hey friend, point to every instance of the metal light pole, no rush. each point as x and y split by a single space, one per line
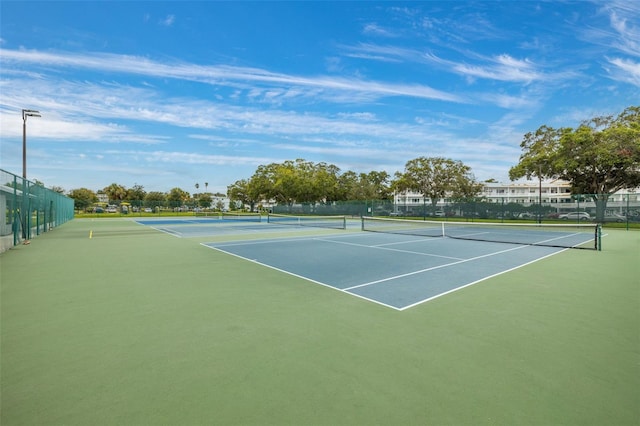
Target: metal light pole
25 217
26 113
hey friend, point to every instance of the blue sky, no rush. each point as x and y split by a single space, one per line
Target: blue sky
170 94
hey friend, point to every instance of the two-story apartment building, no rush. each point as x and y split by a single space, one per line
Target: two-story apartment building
554 193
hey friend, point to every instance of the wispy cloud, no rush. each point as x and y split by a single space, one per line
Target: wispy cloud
625 70
619 43
502 67
626 26
221 75
373 28
168 20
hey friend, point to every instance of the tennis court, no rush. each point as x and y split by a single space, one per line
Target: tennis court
394 270
239 224
110 321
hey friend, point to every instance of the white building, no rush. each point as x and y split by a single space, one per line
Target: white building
554 193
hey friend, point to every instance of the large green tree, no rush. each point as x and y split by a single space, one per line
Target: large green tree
205 200
296 181
177 197
436 178
83 198
155 199
364 186
599 158
245 191
115 192
136 194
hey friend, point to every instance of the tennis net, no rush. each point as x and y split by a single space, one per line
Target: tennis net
333 222
582 236
251 217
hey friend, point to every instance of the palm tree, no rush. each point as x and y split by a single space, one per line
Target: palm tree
115 192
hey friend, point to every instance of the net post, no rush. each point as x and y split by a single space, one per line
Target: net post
443 231
599 237
361 223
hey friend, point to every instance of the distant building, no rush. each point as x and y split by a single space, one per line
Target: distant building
555 193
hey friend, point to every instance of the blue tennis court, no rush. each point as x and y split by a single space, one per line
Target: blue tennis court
397 271
193 227
242 224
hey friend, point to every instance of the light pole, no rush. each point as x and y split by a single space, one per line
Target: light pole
26 113
26 222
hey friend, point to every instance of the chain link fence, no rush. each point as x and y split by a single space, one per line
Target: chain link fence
623 208
579 208
28 209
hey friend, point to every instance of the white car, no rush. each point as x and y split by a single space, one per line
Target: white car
575 216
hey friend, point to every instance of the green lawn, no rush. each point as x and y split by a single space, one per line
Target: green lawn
137 327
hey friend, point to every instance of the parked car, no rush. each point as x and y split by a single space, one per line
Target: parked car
575 216
526 215
614 217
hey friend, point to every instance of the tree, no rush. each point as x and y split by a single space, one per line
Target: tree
322 182
437 177
177 197
205 200
273 182
135 195
375 186
115 192
243 191
599 158
83 198
296 181
364 186
155 199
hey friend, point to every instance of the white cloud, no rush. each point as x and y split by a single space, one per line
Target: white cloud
625 70
375 29
168 21
219 75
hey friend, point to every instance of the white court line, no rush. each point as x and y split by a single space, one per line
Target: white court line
446 265
417 240
302 277
348 290
166 231
477 281
258 242
377 247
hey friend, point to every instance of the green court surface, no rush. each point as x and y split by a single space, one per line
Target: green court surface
108 322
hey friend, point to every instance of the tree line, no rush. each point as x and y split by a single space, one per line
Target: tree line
138 197
599 157
305 182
